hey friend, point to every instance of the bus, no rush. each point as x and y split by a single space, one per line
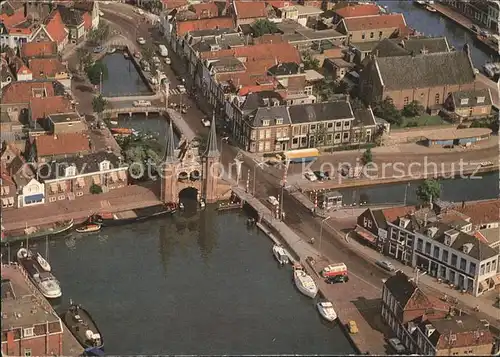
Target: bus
334 270
163 50
302 155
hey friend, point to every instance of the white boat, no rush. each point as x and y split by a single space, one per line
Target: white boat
113 122
430 8
281 254
420 2
43 262
326 310
304 282
44 280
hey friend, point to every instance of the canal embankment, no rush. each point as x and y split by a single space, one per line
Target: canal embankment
350 304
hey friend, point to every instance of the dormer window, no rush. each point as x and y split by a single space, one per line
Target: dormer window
480 99
464 101
279 121
104 165
70 171
265 122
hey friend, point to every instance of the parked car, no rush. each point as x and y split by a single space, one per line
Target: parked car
139 11
168 60
320 175
273 200
310 176
205 122
353 327
387 265
337 279
141 41
396 344
142 103
181 88
98 49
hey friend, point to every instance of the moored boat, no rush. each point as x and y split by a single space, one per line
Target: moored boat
111 50
122 131
281 254
43 280
304 282
420 2
89 228
83 327
430 8
43 262
36 232
140 214
326 310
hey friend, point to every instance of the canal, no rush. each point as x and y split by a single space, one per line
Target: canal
484 186
198 283
434 24
123 78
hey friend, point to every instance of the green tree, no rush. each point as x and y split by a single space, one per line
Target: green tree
385 109
309 61
84 58
367 156
99 35
413 109
99 104
96 72
325 89
95 189
357 103
429 190
263 27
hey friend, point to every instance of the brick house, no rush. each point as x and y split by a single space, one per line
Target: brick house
42 49
29 328
53 29
247 12
373 28
58 146
73 177
41 108
205 10
426 78
8 190
354 10
466 105
50 68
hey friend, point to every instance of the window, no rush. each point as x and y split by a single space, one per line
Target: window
28 332
420 244
262 134
329 125
267 146
345 136
338 125
380 34
104 165
313 127
472 268
70 171
480 99
268 133
261 146
61 197
363 35
79 193
279 121
27 352
494 265
453 260
265 122
372 34
296 130
406 100
445 257
436 98
488 267
435 254
295 141
463 264
427 248
52 199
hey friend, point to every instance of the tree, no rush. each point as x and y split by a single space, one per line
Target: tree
96 72
310 62
84 58
367 156
99 104
325 89
386 110
95 189
100 34
263 27
429 190
413 109
357 103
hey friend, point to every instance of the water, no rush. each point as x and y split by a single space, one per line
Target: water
195 284
434 24
454 190
123 78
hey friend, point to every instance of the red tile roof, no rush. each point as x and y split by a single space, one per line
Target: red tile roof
87 21
174 4
279 4
376 22
358 10
22 92
46 67
16 18
391 214
268 38
184 27
56 28
259 67
482 212
205 10
39 49
23 70
481 237
43 107
61 144
244 83
282 52
250 9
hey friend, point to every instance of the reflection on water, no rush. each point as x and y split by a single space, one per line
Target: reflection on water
123 78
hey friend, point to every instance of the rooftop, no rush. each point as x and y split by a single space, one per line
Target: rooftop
22 92
65 117
184 27
61 144
46 67
481 212
43 107
318 112
396 21
39 49
466 99
453 134
250 9
358 10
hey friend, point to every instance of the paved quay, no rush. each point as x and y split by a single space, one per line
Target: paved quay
352 304
23 287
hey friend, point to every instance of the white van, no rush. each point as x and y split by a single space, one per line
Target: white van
163 50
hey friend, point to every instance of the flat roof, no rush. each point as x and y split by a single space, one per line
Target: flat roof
308 10
312 75
65 117
452 134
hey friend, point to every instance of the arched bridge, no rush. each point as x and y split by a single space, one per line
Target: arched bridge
113 113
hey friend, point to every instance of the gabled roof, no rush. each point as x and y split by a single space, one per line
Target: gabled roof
39 49
406 292
250 9
46 67
281 52
393 213
375 22
22 92
41 108
61 144
481 212
259 115
183 27
87 21
472 97
316 112
23 70
205 10
422 71
16 18
55 27
358 10
70 16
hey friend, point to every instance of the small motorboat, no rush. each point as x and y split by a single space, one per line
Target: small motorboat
326 310
122 131
43 280
420 2
281 254
113 122
83 327
89 228
430 8
43 262
304 282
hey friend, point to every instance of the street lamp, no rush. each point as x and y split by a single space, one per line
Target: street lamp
321 231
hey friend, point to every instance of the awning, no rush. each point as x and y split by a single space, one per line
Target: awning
114 176
33 198
53 187
80 182
363 233
62 185
122 175
496 279
96 179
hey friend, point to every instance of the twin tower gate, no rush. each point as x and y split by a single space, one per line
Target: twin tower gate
186 167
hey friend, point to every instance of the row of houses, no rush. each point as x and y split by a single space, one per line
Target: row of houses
455 244
270 100
427 326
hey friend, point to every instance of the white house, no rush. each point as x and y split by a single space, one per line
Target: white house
32 194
